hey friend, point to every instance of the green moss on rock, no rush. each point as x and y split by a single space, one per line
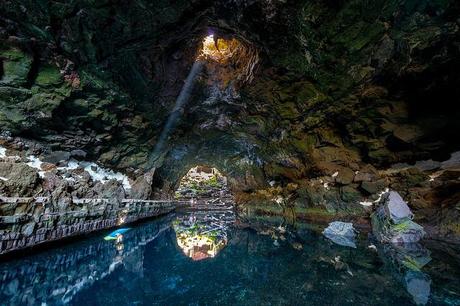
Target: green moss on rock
43 103
10 96
16 67
304 144
349 194
48 75
287 110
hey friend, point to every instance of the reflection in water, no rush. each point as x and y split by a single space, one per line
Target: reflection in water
407 260
272 265
115 235
56 276
202 234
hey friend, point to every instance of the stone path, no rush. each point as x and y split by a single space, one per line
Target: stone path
29 221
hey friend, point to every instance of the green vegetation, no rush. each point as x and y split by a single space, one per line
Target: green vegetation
402 227
213 182
16 67
411 264
48 75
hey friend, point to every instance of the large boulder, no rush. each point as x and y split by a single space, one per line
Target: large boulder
396 208
142 186
341 233
392 221
17 179
112 189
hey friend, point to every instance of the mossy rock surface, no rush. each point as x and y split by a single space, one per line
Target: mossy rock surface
10 96
16 67
44 103
48 75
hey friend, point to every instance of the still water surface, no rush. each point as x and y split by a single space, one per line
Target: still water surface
201 258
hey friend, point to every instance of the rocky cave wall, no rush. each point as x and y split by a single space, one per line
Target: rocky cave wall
342 91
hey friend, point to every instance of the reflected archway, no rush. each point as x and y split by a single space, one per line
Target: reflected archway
203 234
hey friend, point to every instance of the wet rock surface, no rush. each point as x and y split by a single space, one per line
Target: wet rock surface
392 221
42 222
341 233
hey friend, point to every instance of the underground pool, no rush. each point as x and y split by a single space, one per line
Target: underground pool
211 258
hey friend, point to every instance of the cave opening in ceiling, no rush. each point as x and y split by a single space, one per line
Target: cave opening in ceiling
229 60
218 49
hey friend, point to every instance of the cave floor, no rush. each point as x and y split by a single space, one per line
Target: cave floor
213 258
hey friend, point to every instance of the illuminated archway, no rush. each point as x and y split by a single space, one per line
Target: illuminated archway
205 188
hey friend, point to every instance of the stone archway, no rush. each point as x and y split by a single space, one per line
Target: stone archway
205 187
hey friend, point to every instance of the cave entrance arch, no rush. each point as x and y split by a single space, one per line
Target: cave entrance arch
205 187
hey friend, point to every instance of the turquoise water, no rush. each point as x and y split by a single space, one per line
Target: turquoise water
203 259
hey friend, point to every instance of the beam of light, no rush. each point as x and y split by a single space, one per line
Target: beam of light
181 101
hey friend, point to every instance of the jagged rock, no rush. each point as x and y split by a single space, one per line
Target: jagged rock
396 208
407 232
341 233
57 156
392 221
48 75
427 165
407 133
28 229
452 162
21 180
362 176
51 181
110 189
142 186
345 176
408 178
78 153
349 194
373 187
16 66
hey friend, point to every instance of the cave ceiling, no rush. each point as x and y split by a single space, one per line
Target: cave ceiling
307 83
